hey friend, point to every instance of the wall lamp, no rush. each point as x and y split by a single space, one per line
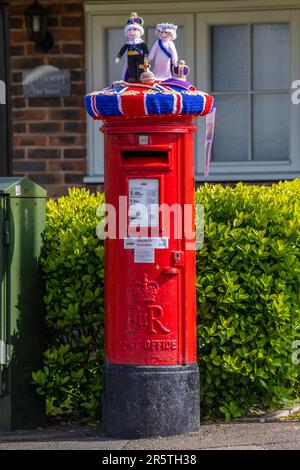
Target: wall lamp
36 23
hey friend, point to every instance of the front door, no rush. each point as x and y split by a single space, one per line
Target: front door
4 106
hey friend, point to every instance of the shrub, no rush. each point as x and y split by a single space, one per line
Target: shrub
72 262
247 300
248 296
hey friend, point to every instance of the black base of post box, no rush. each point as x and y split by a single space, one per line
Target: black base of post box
146 401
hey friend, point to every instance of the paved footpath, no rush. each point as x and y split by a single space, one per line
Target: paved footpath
233 436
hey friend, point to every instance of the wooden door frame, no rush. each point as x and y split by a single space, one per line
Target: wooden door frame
6 147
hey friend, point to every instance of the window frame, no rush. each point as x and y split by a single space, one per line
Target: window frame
254 170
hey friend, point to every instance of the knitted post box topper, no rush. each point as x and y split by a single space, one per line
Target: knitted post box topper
140 101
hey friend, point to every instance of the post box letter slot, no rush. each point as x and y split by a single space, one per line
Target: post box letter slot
145 157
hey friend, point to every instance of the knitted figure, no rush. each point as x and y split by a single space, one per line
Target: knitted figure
164 50
136 48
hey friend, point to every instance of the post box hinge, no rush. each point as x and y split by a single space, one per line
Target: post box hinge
4 354
6 232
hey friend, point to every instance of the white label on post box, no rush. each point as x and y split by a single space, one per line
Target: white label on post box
144 256
143 139
144 202
145 242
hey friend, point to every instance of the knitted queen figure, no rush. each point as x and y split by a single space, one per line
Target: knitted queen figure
136 49
164 50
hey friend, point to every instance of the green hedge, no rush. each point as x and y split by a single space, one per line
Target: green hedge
247 299
248 277
72 261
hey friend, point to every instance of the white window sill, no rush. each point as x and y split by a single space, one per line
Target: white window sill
93 179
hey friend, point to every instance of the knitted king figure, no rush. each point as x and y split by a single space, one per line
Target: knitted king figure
164 50
136 48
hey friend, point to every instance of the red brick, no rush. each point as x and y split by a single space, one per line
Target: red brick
16 90
45 127
54 191
77 75
66 114
16 22
74 7
74 102
44 153
17 77
21 63
73 49
75 153
47 178
18 37
17 50
44 102
78 89
70 34
53 22
72 21
26 165
67 62
75 127
73 178
67 140
16 9
95 187
62 165
57 8
20 140
18 153
31 50
19 128
29 115
18 103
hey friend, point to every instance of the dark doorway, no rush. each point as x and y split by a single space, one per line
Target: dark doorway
5 138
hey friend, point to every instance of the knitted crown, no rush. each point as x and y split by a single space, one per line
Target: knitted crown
135 21
167 27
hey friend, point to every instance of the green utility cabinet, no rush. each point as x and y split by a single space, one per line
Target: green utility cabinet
22 319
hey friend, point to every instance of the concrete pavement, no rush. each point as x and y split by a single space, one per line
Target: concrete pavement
233 436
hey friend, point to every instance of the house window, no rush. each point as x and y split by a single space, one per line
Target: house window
250 80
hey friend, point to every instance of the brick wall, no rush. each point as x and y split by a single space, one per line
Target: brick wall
49 134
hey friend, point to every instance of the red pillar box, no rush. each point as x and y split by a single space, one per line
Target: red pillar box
150 378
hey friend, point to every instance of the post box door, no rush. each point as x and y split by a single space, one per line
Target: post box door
147 308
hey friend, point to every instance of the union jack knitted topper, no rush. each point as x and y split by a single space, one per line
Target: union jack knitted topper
169 98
